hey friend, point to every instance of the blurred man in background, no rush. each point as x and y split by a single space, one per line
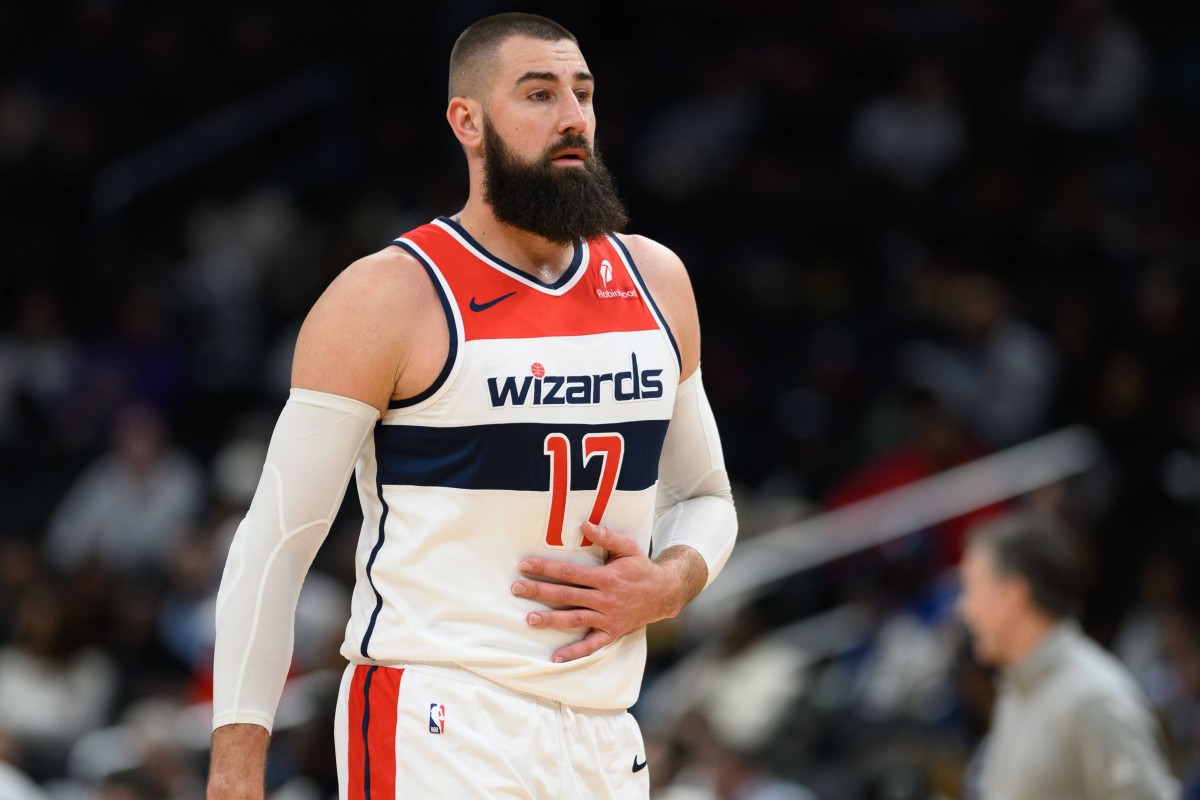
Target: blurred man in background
1069 721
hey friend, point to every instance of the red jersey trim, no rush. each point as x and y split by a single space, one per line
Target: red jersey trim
492 303
564 284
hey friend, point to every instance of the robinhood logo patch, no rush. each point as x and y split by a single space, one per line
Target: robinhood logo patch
606 277
540 388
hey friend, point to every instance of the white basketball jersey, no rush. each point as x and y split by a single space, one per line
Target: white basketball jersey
551 409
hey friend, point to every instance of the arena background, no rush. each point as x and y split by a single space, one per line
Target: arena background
919 233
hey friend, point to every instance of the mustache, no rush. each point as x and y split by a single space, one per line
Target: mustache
570 140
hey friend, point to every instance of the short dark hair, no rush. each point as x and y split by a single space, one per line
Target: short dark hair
1038 549
481 39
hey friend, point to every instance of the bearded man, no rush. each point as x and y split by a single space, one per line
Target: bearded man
517 389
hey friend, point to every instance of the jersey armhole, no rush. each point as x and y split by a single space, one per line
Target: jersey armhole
637 277
451 323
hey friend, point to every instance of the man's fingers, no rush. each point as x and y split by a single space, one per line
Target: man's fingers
565 618
589 644
615 543
557 570
554 593
534 566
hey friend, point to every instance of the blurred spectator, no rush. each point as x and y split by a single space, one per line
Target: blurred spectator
246 258
1141 640
149 752
903 667
52 690
711 127
39 360
37 364
741 777
1187 666
896 782
129 785
23 118
186 615
1181 644
15 785
913 135
743 683
995 371
130 507
1091 70
141 361
21 567
716 768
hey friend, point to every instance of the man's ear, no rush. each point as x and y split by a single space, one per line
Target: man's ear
1017 592
466 120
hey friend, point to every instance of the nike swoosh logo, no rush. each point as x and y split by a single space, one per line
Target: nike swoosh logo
485 306
638 767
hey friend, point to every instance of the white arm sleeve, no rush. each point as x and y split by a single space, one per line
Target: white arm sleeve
312 453
694 505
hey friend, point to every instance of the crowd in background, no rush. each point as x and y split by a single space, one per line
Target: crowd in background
919 232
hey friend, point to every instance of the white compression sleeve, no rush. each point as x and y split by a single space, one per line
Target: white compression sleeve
694 505
313 451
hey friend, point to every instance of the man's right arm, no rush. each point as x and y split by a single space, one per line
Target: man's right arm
313 451
349 356
239 758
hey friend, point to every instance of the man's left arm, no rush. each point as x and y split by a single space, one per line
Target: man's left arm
1120 753
695 522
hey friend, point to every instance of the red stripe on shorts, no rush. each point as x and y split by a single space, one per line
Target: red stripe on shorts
372 758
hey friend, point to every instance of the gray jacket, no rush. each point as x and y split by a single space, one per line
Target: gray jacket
1071 724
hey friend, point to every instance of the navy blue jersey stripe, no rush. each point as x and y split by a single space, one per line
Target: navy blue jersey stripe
371 561
453 354
511 457
366 727
637 276
576 260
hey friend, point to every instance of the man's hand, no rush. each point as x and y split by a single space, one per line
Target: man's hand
239 760
625 593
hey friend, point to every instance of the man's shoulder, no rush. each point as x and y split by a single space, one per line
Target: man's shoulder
381 296
662 269
365 326
391 264
382 280
667 281
649 253
1090 676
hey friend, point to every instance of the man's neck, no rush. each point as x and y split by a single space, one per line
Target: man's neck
528 252
1026 637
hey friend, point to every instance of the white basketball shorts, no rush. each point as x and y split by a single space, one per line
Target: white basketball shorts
422 732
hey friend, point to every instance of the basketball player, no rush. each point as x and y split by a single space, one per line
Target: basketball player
518 390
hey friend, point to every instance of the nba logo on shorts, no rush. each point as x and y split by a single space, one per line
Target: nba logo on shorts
437 718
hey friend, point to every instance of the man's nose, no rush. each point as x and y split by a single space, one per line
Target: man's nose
572 118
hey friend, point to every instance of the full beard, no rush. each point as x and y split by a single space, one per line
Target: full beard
561 205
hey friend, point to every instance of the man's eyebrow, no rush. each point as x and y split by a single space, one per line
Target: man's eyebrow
550 77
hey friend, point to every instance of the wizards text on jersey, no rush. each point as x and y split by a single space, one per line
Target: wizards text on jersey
542 389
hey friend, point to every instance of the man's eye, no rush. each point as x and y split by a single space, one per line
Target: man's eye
584 95
540 94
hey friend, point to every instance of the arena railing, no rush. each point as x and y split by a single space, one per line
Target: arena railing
321 89
760 561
